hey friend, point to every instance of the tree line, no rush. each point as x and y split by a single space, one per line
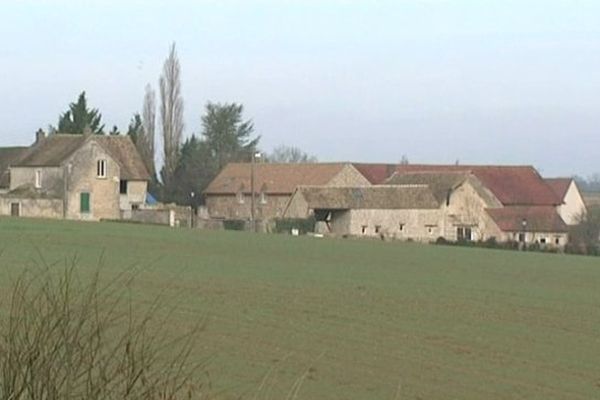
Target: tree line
188 165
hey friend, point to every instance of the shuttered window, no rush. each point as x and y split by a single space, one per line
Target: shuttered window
84 202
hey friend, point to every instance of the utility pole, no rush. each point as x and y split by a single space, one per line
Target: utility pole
255 155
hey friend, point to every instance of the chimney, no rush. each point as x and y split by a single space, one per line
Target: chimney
39 135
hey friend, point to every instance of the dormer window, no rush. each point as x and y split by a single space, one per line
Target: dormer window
38 178
101 169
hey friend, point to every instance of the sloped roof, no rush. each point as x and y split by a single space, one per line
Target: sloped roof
9 156
53 150
370 197
375 173
439 183
122 149
538 218
560 186
512 185
272 178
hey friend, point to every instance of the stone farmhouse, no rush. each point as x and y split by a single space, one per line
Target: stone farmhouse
410 202
228 196
81 177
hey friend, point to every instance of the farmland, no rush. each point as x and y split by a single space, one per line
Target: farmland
358 319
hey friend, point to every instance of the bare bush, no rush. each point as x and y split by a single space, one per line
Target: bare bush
63 338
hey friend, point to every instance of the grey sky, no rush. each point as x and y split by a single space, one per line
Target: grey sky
478 81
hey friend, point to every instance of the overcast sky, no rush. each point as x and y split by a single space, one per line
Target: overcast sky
511 81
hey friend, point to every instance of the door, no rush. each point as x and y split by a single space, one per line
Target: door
84 203
15 209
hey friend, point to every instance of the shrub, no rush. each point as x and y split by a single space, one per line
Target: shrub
304 225
234 225
64 339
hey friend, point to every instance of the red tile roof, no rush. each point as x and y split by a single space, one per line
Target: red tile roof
375 173
560 186
272 178
512 185
538 219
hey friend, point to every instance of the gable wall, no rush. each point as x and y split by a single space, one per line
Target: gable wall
573 206
348 176
104 192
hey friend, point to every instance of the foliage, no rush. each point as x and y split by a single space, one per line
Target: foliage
290 154
194 172
304 225
65 338
147 138
171 113
234 225
227 136
114 131
584 238
135 130
80 119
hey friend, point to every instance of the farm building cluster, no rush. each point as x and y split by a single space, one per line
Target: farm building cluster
406 201
94 177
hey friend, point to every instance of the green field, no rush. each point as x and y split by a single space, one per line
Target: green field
363 319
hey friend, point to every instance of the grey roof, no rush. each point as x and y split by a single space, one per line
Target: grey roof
441 184
370 197
56 148
8 157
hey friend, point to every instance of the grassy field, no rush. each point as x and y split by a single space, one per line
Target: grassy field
363 319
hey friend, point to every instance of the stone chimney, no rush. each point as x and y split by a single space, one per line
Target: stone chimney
39 135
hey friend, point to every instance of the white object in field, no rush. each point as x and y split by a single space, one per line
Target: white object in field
318 235
295 232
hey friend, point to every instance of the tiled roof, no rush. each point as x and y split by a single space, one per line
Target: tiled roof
441 184
51 151
375 173
56 148
538 219
8 157
512 185
560 186
272 178
122 149
370 197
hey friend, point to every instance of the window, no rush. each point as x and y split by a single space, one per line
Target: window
363 229
38 178
377 228
543 240
84 202
101 169
557 240
135 207
464 233
401 228
263 198
123 186
521 238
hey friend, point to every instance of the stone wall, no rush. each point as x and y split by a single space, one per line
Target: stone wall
82 178
33 208
230 207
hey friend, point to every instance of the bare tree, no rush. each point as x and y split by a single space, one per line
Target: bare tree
290 154
148 137
171 113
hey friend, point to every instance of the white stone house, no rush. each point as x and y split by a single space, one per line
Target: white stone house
86 177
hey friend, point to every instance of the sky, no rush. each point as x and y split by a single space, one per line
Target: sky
439 81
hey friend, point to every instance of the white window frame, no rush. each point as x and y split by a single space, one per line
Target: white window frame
101 167
38 179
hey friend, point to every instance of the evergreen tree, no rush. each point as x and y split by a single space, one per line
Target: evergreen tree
80 119
226 134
